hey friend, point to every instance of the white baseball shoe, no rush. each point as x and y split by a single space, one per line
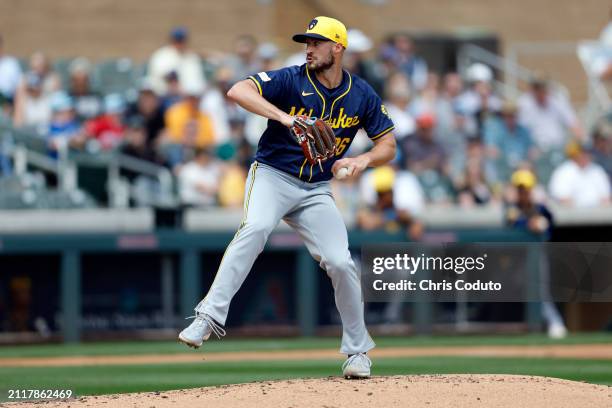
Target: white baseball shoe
200 330
357 366
557 331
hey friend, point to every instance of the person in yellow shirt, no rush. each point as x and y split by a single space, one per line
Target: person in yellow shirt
187 127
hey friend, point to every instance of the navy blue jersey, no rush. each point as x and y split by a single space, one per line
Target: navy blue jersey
350 106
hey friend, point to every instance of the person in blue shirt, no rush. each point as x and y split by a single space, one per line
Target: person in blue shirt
283 185
508 143
64 129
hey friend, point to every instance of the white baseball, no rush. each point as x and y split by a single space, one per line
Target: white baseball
342 173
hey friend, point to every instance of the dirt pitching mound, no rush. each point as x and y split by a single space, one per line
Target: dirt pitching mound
455 391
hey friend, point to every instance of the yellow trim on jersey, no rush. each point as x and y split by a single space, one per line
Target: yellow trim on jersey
350 85
317 90
331 111
381 134
256 83
302 168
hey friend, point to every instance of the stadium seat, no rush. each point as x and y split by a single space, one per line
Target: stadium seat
62 67
546 164
436 187
115 76
208 70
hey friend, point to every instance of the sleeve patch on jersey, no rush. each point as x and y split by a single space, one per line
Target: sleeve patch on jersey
384 110
264 77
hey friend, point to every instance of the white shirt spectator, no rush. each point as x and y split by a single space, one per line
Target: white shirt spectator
549 124
470 102
10 75
407 192
213 103
186 64
402 119
254 127
199 183
37 112
586 186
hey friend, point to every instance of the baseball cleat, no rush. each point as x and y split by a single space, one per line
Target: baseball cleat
557 331
357 366
200 330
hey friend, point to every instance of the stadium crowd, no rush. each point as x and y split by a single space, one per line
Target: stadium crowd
459 140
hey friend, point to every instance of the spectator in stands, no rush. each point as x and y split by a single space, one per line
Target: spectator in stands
10 73
87 102
479 100
347 195
579 182
508 144
450 123
39 64
135 142
267 53
599 55
6 165
216 104
231 186
549 117
187 127
32 105
243 61
236 148
421 151
356 60
394 201
174 91
523 212
473 189
6 110
397 92
199 179
176 56
427 99
602 146
64 129
400 54
148 110
107 130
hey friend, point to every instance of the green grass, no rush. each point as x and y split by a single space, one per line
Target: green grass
92 380
214 346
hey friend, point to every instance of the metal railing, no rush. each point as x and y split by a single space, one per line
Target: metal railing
512 71
24 158
116 183
65 169
599 99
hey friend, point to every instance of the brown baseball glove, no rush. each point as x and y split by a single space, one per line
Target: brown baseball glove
316 137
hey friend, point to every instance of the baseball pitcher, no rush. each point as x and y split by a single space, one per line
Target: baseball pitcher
314 112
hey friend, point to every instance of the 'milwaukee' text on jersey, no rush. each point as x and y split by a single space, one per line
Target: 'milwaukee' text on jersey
350 106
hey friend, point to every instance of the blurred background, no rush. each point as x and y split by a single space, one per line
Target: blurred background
122 162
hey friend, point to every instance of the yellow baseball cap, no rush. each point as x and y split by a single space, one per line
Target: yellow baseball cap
523 178
324 28
383 178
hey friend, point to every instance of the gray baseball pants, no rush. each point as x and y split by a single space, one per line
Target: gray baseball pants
309 208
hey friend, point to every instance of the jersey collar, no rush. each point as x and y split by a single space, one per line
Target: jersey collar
323 92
